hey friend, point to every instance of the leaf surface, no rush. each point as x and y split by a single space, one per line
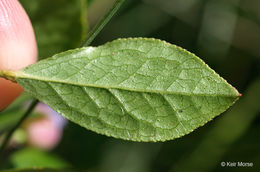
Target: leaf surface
135 89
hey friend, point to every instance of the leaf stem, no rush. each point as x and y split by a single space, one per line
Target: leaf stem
9 75
10 133
100 25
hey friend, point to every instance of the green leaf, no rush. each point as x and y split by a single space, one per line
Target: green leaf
135 89
34 158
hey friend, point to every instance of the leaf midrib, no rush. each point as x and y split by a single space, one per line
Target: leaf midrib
20 75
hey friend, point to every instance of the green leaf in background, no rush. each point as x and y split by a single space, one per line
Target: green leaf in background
135 89
59 25
34 158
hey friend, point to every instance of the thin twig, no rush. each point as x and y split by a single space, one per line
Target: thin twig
10 133
96 30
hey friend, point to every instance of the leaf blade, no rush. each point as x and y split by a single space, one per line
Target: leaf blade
157 94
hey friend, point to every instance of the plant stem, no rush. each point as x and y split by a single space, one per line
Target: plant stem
10 133
95 31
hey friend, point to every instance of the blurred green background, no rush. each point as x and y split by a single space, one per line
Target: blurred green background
224 33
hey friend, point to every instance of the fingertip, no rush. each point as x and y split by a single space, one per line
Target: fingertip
18 47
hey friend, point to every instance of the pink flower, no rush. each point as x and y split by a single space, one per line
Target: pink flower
45 132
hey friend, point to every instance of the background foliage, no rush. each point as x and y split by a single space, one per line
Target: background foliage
225 34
